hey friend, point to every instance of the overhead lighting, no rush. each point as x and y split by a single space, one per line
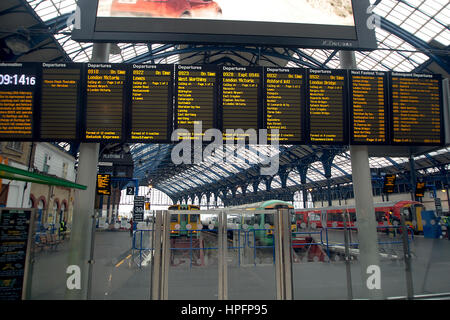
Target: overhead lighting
114 49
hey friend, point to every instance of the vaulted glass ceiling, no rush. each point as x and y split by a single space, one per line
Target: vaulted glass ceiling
425 21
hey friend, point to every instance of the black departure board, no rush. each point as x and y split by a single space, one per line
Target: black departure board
241 103
389 183
368 107
60 101
104 184
284 103
151 114
18 87
326 106
105 101
417 117
195 100
420 189
14 247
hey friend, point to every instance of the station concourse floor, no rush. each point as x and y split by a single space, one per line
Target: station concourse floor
116 275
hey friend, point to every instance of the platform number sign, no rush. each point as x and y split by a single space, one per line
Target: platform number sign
138 209
130 191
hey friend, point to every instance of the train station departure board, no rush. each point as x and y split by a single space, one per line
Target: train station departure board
18 88
105 101
327 112
241 103
195 100
416 109
284 103
60 101
151 114
368 107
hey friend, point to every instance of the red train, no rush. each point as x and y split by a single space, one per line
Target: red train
386 213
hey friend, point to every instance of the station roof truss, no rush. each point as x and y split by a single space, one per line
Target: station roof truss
412 36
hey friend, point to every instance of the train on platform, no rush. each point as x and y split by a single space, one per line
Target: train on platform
386 213
182 223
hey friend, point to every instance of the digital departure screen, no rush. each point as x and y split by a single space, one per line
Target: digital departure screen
18 82
327 106
104 184
368 107
389 183
151 114
60 101
285 104
195 100
417 117
241 104
105 101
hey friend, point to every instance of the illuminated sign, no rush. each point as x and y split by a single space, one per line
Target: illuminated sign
284 103
389 183
195 99
348 24
327 110
104 184
420 189
60 101
151 114
368 107
240 100
18 82
105 101
417 117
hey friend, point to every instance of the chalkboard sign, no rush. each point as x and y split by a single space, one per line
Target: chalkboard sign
15 244
138 209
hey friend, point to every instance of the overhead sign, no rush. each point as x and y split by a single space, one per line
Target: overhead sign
420 189
347 24
104 184
138 208
389 183
144 103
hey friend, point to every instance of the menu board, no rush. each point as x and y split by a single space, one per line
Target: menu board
416 109
104 184
368 107
326 107
105 101
18 82
151 114
240 96
195 100
14 245
285 104
60 101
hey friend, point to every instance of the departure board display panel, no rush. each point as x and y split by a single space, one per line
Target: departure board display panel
105 101
195 100
151 107
60 101
284 103
326 108
18 88
240 100
417 117
368 107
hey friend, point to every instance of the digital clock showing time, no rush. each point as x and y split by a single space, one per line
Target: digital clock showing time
18 87
17 80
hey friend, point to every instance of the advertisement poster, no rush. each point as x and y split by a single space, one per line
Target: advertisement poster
331 12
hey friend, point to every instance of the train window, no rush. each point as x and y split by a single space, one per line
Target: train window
258 219
352 216
194 218
183 217
299 217
314 216
379 215
174 218
407 213
268 219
